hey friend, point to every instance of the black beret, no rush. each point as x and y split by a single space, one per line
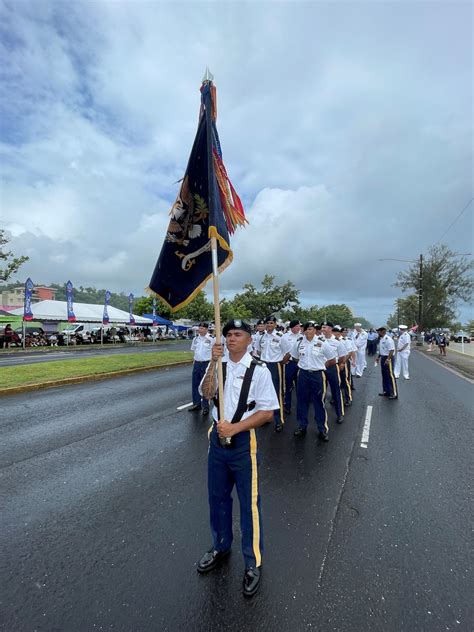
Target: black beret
316 326
381 329
236 323
293 323
270 319
310 323
206 325
260 322
327 323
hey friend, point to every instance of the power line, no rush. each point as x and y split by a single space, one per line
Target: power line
452 223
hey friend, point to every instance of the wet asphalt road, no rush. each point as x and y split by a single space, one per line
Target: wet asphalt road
104 513
49 354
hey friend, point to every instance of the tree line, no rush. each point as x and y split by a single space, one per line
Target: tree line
446 281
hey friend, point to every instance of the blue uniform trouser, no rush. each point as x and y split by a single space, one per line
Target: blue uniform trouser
388 379
346 383
199 370
291 380
334 379
311 390
277 370
237 466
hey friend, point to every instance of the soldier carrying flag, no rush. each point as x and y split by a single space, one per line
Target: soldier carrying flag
196 248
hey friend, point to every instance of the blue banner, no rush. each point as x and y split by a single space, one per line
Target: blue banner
27 313
130 310
105 315
70 306
155 319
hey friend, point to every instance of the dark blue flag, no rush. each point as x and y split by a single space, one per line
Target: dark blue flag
105 315
70 306
207 206
27 313
155 319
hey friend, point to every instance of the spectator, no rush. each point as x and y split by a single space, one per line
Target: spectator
8 335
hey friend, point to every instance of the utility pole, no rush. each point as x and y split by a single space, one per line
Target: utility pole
420 293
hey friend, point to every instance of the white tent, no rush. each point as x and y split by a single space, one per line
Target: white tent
56 311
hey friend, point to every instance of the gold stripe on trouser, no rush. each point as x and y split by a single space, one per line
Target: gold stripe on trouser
325 386
255 516
281 375
348 382
394 383
340 390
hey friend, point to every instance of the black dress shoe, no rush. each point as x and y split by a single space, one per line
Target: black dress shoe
324 436
383 394
347 403
393 396
278 427
194 407
300 432
205 412
251 581
340 419
211 559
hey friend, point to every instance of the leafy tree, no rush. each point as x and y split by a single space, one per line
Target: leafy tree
446 282
199 309
271 299
234 309
405 313
337 314
11 263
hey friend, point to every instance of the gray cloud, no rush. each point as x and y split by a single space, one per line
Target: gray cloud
345 128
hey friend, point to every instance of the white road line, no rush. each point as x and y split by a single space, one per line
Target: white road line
366 430
184 406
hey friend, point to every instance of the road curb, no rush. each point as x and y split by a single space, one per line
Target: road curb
88 378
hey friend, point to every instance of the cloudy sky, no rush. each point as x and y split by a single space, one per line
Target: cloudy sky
346 128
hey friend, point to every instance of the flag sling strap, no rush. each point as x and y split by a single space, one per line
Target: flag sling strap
242 405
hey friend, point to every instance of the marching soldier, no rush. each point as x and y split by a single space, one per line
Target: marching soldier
333 372
385 357
249 399
291 367
360 340
272 354
344 369
403 353
314 357
201 345
256 338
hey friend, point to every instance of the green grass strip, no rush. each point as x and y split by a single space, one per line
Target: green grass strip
13 376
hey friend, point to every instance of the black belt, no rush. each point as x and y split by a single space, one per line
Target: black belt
312 370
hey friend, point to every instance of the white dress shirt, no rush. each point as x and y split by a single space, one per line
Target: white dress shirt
386 345
270 347
338 346
312 354
202 347
404 340
262 391
288 340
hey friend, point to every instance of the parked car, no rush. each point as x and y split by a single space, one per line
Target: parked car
460 336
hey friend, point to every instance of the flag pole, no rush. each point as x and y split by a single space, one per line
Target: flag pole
208 77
